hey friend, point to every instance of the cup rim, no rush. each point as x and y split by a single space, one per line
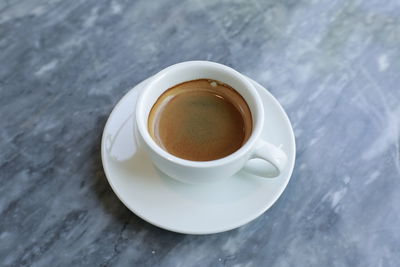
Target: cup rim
257 125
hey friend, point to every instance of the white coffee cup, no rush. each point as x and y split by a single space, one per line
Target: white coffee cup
196 172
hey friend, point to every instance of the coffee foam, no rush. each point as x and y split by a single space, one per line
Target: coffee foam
186 131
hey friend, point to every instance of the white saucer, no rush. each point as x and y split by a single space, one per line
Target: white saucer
184 208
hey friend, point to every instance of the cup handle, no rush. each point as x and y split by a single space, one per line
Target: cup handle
272 154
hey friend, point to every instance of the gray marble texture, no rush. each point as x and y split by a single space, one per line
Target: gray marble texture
334 66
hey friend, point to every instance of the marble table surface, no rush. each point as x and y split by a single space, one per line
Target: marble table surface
334 66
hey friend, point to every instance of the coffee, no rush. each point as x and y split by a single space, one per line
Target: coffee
200 120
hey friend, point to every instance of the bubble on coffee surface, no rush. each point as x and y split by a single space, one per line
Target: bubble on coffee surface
213 83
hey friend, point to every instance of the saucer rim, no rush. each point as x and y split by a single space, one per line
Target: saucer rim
227 227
